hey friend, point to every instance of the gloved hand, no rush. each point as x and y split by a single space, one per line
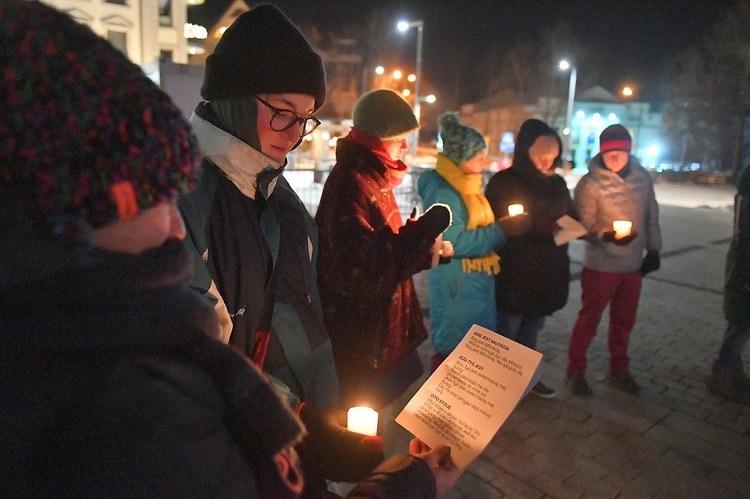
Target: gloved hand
332 452
545 225
651 262
517 225
434 221
609 237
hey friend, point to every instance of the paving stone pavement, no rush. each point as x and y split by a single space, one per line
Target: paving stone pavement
672 440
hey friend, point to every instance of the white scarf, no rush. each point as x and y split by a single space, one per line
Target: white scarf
239 162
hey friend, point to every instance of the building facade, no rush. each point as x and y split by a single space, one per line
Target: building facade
593 111
144 30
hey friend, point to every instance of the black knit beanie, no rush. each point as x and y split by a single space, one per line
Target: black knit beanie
262 52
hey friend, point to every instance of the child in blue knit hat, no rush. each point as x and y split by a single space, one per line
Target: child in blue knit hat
462 292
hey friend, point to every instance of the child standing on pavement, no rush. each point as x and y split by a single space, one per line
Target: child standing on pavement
462 292
534 279
616 187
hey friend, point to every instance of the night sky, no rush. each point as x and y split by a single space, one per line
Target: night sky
633 37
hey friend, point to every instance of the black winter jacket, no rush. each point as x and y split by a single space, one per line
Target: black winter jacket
534 272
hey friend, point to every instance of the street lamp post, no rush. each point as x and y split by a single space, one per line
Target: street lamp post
404 26
568 132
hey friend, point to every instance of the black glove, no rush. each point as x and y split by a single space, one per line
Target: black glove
434 221
609 237
517 225
651 262
332 452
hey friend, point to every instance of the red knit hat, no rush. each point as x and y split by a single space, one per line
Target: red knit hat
615 138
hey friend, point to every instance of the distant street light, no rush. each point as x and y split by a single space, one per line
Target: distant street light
568 131
404 26
627 91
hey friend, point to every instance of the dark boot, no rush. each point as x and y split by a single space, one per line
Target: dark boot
578 384
722 383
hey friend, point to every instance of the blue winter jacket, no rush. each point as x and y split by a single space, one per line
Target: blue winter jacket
459 299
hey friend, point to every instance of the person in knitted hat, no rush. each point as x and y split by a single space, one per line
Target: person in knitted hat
535 274
111 383
462 293
255 243
618 188
367 255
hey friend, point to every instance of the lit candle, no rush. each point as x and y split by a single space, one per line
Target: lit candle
515 209
622 228
362 420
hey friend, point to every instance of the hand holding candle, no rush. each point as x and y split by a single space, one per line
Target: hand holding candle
515 209
362 420
622 228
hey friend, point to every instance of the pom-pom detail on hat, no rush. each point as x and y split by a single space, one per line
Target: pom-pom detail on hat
460 142
615 138
78 117
384 114
262 52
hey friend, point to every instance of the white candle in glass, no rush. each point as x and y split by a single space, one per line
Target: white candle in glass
362 420
622 228
515 209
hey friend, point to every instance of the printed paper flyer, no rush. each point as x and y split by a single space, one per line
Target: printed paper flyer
469 397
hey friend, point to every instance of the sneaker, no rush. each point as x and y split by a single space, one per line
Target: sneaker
722 383
578 384
542 390
624 382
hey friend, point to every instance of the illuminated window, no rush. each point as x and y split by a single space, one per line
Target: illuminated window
165 12
119 40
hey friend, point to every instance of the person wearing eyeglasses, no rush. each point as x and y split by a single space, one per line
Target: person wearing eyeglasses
255 243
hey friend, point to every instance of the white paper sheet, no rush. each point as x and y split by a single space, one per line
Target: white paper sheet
469 397
570 229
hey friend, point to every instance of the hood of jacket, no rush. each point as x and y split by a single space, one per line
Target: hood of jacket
530 131
247 168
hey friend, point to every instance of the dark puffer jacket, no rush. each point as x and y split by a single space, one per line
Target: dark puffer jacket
534 272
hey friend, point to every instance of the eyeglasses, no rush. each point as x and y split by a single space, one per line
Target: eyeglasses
284 119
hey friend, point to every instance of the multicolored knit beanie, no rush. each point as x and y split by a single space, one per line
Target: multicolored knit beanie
83 132
460 142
